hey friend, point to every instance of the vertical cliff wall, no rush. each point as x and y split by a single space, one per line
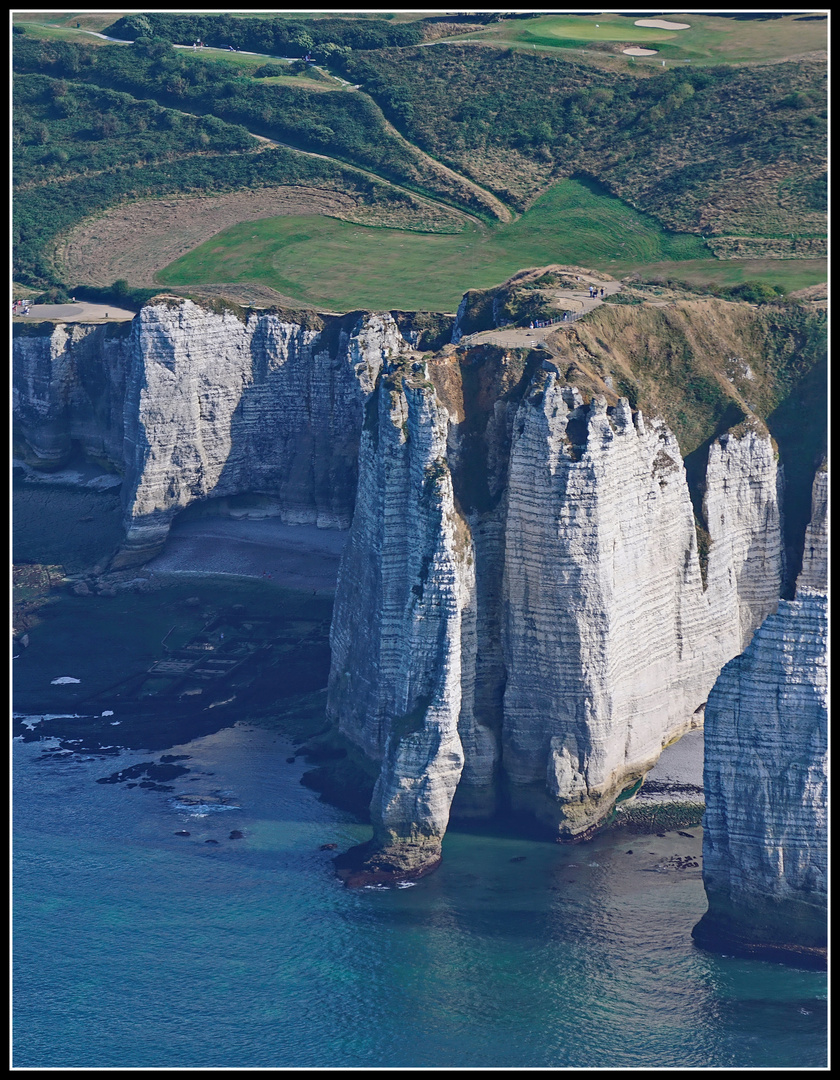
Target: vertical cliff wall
765 777
604 605
765 826
190 404
68 392
814 573
584 594
742 508
398 651
217 406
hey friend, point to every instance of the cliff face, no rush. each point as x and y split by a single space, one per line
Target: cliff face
604 606
193 404
217 407
408 609
68 392
577 626
742 508
765 777
814 574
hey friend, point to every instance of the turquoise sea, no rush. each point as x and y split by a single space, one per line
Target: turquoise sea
134 947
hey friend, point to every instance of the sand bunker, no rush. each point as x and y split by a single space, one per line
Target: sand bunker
634 50
662 24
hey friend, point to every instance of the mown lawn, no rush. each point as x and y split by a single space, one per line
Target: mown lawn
709 38
340 265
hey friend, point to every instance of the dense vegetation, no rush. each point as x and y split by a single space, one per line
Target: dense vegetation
347 126
712 149
716 151
64 128
273 36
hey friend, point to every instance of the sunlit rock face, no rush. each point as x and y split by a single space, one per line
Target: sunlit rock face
577 579
742 507
407 584
814 573
765 858
216 407
604 606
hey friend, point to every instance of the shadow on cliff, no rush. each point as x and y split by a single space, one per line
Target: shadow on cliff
800 427
295 432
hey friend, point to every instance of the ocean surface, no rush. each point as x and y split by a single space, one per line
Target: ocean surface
135 947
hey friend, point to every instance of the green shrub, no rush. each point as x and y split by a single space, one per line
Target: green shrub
756 292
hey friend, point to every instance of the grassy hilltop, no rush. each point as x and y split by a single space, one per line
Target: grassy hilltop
458 149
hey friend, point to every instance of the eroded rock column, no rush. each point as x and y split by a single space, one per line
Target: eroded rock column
765 858
405 595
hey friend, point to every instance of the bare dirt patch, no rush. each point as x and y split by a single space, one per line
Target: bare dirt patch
77 312
135 241
813 294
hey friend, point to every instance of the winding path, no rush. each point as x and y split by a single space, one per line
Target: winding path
577 301
497 207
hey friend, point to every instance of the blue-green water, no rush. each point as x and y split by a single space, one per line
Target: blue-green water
134 947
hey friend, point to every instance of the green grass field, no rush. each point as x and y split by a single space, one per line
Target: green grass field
709 38
343 266
324 261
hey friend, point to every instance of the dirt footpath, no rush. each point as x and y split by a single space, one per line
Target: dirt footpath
576 301
77 312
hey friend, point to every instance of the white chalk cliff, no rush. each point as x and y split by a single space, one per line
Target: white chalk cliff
525 615
580 581
814 573
68 391
407 586
765 858
216 407
190 404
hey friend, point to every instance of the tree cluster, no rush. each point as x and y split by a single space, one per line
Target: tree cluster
271 36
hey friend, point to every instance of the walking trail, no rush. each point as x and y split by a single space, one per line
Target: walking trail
576 301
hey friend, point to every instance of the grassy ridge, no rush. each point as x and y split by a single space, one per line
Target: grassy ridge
346 126
323 261
64 128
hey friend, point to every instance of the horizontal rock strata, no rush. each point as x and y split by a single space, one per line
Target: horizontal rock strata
216 407
570 615
765 827
396 682
190 404
814 573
